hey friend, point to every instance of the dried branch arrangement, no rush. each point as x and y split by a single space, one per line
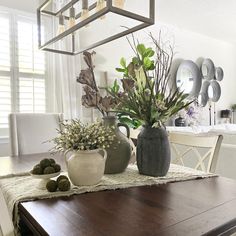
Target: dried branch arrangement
92 97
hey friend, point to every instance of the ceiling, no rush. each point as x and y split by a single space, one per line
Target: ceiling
215 18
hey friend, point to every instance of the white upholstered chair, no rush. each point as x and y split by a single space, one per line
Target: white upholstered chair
29 132
133 142
205 150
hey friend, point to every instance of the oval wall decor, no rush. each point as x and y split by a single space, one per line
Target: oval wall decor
208 69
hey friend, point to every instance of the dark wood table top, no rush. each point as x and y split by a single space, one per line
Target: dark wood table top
17 164
189 208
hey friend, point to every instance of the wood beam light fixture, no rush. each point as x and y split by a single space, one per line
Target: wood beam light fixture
74 26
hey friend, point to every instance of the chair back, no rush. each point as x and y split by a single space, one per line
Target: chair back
205 149
29 132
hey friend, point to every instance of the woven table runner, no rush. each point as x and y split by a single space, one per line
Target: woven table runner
22 187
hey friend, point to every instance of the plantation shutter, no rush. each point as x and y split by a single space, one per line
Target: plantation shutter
5 71
22 67
31 86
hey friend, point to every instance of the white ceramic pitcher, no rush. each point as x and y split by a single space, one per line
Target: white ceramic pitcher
86 167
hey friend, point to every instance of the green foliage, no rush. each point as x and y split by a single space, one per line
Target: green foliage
64 185
132 123
46 166
61 177
115 88
123 62
49 170
144 57
51 186
233 107
148 100
77 136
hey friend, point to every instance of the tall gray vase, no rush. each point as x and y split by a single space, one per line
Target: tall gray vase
119 153
153 151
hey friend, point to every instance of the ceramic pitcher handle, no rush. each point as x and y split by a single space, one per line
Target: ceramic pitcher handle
127 129
105 154
66 157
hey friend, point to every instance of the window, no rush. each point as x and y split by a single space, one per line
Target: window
22 67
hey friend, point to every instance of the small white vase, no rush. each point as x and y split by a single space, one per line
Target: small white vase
86 167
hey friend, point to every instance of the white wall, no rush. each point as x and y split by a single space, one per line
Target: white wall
187 45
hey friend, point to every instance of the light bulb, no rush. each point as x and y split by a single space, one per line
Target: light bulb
85 11
61 26
72 17
100 5
84 15
119 3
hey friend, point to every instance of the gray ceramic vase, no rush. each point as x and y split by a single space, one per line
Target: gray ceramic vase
118 154
153 151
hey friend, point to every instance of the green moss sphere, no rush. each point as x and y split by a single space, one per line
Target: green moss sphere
64 185
52 161
57 167
45 163
37 170
51 186
61 177
49 170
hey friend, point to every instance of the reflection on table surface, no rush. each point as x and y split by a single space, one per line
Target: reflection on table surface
19 164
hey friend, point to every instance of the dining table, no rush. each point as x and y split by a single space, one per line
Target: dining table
203 206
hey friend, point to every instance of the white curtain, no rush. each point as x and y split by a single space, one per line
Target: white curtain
64 91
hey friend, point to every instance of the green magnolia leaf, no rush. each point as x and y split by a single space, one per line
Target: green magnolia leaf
152 66
147 63
126 72
141 49
149 52
135 60
116 87
123 62
120 70
113 91
126 120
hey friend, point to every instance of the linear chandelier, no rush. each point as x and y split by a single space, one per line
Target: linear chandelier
76 20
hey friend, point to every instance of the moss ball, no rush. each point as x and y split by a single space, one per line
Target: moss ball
52 161
51 186
57 167
64 185
61 177
37 170
49 170
45 163
38 165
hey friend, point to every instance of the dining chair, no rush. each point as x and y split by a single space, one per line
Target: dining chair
133 142
29 132
203 149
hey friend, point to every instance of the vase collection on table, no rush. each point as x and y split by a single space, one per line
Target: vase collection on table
141 97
